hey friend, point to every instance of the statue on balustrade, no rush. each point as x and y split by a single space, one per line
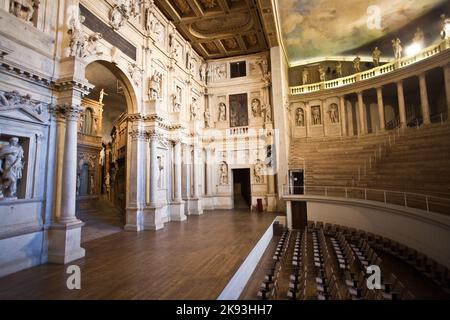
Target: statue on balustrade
23 9
419 38
222 112
11 166
376 54
357 64
334 114
223 170
339 69
300 117
397 47
445 32
305 74
315 111
322 75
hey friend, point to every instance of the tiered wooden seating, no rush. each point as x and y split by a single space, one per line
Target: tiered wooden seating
297 278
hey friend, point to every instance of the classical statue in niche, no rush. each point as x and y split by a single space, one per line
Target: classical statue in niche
256 107
397 47
78 184
223 173
78 38
160 171
101 159
322 75
135 73
339 69
203 71
357 64
445 31
376 54
194 109
23 9
154 91
207 116
221 71
300 117
333 111
177 100
258 171
305 75
95 127
80 124
11 166
91 185
315 112
222 112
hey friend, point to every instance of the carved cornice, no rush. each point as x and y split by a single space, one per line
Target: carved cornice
73 84
19 71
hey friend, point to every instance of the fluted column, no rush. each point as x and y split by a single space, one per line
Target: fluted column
177 176
195 163
424 99
153 170
343 115
401 104
69 188
381 108
186 171
362 124
447 88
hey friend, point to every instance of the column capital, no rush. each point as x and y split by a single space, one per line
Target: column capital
138 134
71 112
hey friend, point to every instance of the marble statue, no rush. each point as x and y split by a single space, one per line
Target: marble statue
95 127
207 116
267 113
339 69
154 91
194 109
101 159
305 74
376 54
357 64
23 9
222 112
333 111
91 185
322 75
397 47
445 32
122 11
135 73
315 111
102 95
78 184
177 100
223 169
203 70
80 124
300 117
160 171
77 36
11 166
221 71
256 107
258 171
419 37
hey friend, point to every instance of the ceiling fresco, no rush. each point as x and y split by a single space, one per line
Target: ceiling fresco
313 29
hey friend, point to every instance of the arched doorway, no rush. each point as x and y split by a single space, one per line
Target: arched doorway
102 151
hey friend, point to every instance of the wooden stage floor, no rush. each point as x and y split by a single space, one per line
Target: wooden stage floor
194 259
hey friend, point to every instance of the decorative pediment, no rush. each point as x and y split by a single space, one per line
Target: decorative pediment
15 106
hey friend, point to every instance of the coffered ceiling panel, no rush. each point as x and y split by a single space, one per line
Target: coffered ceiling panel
217 28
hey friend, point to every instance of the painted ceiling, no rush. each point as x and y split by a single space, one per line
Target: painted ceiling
313 29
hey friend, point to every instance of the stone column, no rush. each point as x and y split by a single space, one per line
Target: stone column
153 172
401 104
195 204
381 108
447 88
209 172
177 206
424 99
343 115
65 234
186 172
362 124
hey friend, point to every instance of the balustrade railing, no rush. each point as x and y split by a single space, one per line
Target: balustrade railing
372 73
405 199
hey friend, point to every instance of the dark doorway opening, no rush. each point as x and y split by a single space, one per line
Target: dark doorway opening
241 188
297 182
299 214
